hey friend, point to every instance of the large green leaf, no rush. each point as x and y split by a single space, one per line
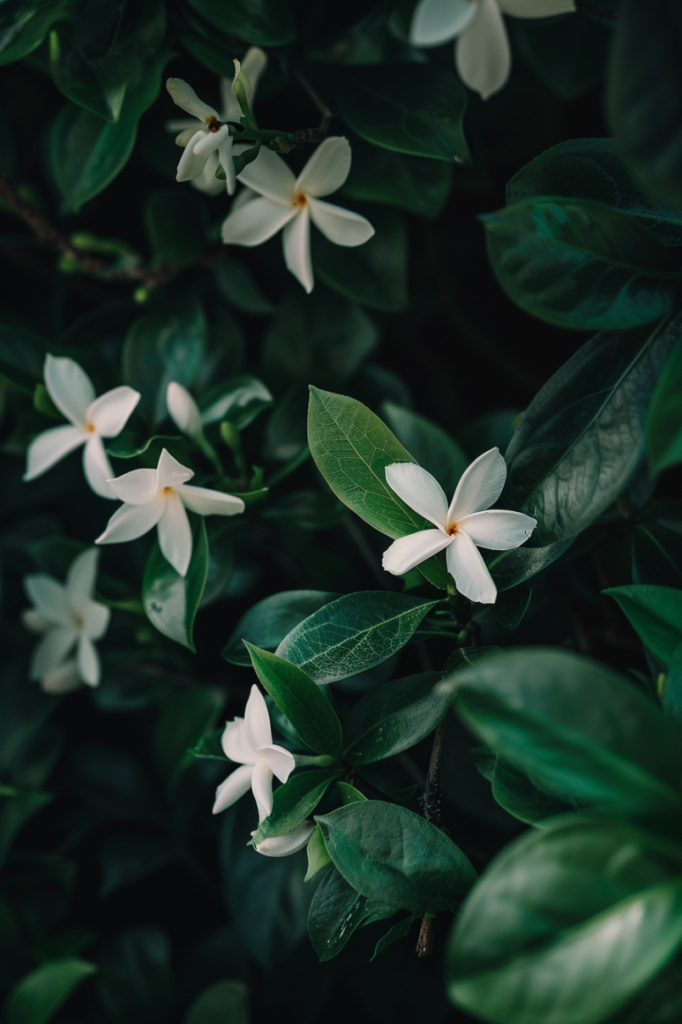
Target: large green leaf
431 446
392 855
353 633
566 925
580 264
644 95
656 615
351 448
294 801
266 623
300 699
29 29
380 175
664 428
259 22
171 601
38 995
337 911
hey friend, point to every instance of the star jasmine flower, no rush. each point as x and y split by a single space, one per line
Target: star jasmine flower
158 497
67 617
211 139
91 418
291 842
463 527
290 203
252 66
248 741
482 51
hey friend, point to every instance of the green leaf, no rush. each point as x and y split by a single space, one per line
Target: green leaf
566 925
398 931
580 264
294 801
407 107
579 730
353 633
258 22
266 623
394 717
238 400
38 995
567 54
300 699
221 1002
238 286
336 911
655 613
29 29
351 448
317 854
664 427
396 179
185 717
431 446
349 794
578 446
171 601
515 791
22 355
644 95
176 223
163 346
391 855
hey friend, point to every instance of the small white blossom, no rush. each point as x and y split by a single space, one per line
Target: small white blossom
92 418
482 51
284 201
291 842
67 616
158 497
462 528
248 741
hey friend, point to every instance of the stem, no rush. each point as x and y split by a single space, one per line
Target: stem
430 808
319 103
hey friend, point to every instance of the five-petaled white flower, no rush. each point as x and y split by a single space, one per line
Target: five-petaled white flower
291 203
252 66
462 527
158 497
248 741
213 139
92 418
482 51
67 616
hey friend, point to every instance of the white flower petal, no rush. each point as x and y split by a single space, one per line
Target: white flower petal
206 181
210 142
226 159
135 488
420 490
62 679
51 447
290 842
261 784
49 597
34 621
209 503
253 65
407 552
498 530
341 226
479 486
183 410
257 720
181 124
296 245
95 618
256 221
185 135
234 787
175 534
327 168
111 411
436 21
235 744
87 661
482 51
191 164
536 8
270 176
281 761
131 521
51 650
170 472
184 96
80 579
245 195
469 571
97 467
69 387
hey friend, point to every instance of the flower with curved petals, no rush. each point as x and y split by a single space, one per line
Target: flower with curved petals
467 524
91 418
290 842
158 497
248 741
289 203
482 52
67 616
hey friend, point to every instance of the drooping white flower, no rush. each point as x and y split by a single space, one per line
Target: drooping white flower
67 616
183 410
290 203
92 418
482 51
466 525
248 741
290 842
252 66
158 497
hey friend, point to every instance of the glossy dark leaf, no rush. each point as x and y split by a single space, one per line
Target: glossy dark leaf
259 22
656 615
171 601
664 427
266 623
38 996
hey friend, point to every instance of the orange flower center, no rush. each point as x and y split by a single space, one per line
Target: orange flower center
454 529
90 428
168 490
301 200
213 124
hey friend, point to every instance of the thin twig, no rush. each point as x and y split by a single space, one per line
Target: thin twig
317 100
430 807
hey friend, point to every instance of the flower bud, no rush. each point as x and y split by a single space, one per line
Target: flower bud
183 410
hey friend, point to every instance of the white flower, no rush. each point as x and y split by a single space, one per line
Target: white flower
67 616
158 497
291 842
254 63
248 741
291 203
92 418
183 410
462 528
482 51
